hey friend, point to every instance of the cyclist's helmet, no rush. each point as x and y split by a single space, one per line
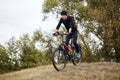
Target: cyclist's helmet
63 12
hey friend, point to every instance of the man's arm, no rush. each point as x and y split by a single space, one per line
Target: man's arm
71 25
56 30
58 26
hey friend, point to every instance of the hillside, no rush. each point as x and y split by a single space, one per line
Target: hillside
86 71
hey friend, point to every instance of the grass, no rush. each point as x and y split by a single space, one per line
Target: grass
86 71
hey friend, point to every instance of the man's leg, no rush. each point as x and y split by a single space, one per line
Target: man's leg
67 39
67 42
75 36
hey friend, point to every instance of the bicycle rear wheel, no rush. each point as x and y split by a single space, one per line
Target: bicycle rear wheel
59 59
75 60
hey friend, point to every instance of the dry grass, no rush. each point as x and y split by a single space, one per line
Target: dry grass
91 71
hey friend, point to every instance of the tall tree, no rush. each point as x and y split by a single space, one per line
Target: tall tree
29 55
100 18
4 60
13 53
106 13
45 44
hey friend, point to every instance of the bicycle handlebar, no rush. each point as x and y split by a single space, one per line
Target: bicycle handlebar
57 33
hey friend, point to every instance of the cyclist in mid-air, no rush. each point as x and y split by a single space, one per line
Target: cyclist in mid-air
71 28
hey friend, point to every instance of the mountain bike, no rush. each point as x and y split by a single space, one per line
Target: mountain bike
61 55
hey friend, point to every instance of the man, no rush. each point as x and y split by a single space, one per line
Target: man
69 23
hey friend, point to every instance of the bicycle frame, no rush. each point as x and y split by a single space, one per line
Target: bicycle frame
59 56
62 45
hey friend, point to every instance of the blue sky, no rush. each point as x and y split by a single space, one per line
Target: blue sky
23 16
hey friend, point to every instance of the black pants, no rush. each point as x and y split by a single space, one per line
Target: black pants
74 36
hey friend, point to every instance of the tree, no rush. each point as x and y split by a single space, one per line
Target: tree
29 55
13 52
106 13
23 53
45 44
99 18
4 60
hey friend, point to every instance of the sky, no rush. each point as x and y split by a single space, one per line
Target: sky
23 16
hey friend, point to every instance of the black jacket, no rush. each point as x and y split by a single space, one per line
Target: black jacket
69 23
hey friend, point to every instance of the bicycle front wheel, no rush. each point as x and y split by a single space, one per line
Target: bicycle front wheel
59 59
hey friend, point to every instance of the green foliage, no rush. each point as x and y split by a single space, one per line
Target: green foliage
28 53
100 18
4 60
107 15
49 4
24 53
13 52
45 45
